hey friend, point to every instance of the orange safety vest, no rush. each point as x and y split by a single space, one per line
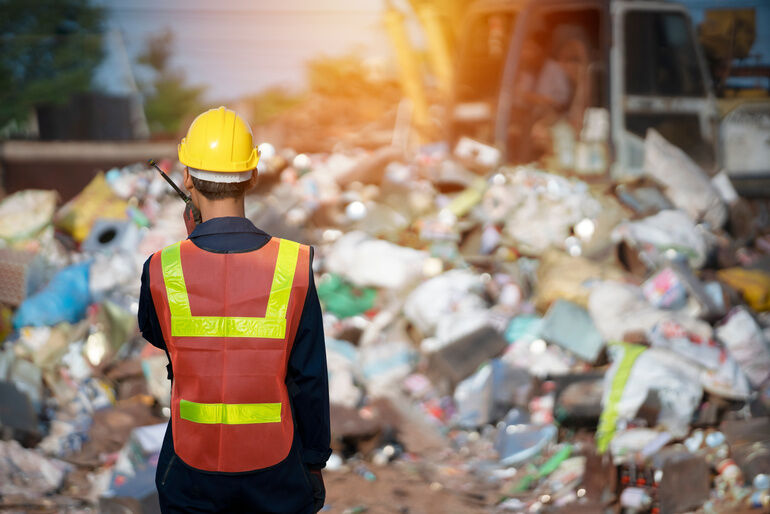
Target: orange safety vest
229 321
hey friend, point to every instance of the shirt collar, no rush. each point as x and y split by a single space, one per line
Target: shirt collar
225 225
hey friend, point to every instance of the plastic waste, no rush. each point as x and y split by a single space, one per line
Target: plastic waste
561 276
720 373
671 335
633 374
27 473
635 498
486 395
570 326
548 467
747 344
64 299
663 235
544 208
619 308
517 441
342 299
25 214
665 290
372 262
385 364
686 184
754 285
452 361
443 296
483 155
111 236
525 327
342 362
473 398
96 200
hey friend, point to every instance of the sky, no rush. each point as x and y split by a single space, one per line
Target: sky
238 47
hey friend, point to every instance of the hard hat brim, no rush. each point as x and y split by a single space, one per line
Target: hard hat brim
219 177
200 164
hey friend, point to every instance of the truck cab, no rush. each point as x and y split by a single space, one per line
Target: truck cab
524 65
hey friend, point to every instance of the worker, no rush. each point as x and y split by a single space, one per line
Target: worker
541 80
237 313
542 91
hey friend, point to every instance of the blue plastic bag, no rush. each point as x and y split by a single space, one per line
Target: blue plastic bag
65 298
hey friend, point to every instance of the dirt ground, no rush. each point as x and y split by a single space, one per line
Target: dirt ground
394 490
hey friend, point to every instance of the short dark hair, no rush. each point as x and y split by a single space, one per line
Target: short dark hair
220 190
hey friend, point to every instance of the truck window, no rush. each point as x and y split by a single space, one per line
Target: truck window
483 57
559 75
660 57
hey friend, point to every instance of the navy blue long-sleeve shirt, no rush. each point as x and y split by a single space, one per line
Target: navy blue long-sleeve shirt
306 376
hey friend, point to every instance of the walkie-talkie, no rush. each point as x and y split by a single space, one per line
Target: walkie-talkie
191 216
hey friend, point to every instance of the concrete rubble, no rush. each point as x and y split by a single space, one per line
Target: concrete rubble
521 338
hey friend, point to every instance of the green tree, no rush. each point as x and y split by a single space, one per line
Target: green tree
168 100
48 52
343 75
270 103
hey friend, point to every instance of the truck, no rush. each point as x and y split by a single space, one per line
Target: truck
637 61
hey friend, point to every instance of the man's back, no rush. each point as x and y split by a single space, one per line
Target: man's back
284 486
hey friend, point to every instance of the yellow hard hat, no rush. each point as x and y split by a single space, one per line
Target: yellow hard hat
219 140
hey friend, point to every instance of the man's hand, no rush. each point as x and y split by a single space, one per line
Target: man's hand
319 491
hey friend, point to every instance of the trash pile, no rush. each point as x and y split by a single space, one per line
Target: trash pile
518 337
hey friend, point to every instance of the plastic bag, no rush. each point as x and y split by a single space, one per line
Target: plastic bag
372 262
25 214
666 231
384 365
746 343
342 299
486 395
445 295
618 309
720 373
543 209
342 361
64 299
95 201
518 441
570 326
675 380
687 185
473 398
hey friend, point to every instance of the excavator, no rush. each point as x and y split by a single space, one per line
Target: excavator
741 71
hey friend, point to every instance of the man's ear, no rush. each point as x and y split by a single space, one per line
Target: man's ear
253 180
188 183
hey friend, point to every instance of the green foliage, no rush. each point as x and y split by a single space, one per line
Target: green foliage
168 100
48 52
270 103
340 76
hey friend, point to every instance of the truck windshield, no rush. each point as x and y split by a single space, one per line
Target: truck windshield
483 56
660 57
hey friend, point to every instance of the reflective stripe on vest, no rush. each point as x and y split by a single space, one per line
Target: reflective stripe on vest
272 326
230 413
230 406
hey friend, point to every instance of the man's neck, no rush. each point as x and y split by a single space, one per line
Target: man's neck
222 208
